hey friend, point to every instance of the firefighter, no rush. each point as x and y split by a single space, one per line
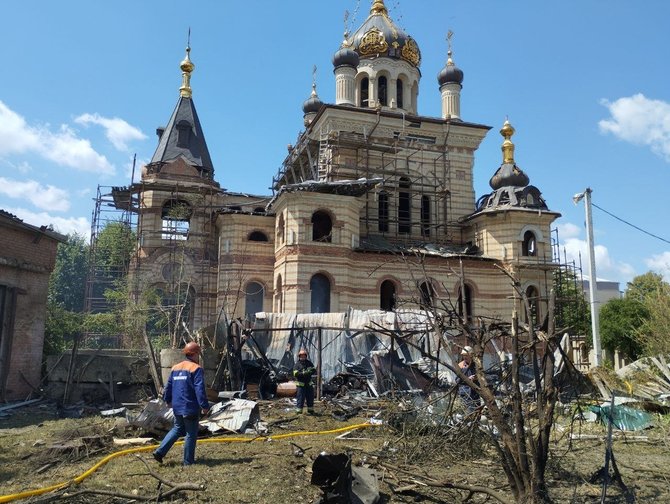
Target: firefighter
303 372
185 392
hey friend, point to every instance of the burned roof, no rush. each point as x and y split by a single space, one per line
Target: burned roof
382 244
343 187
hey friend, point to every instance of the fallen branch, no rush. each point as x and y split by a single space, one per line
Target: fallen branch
427 481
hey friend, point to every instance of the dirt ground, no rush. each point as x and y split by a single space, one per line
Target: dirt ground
38 450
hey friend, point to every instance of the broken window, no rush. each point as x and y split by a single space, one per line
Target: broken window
427 295
404 209
382 86
464 304
365 84
176 219
322 227
529 245
425 216
387 295
254 294
319 286
258 236
383 204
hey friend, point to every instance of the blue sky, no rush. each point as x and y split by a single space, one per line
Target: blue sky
585 83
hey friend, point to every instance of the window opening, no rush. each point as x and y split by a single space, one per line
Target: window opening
465 305
404 210
529 246
399 92
176 217
387 296
322 227
427 295
382 85
365 83
254 294
320 293
258 236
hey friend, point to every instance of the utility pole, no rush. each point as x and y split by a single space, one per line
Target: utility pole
593 286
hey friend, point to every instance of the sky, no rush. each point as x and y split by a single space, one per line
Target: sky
585 83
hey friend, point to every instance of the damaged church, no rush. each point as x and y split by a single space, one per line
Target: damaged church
373 207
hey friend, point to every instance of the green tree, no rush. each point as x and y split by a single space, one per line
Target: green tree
67 284
642 286
620 321
655 331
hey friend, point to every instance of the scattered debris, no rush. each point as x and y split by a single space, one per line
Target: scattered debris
342 483
234 416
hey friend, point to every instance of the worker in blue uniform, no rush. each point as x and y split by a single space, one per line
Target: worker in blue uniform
186 393
303 372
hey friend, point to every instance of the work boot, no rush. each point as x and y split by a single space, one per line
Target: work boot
310 411
158 458
298 411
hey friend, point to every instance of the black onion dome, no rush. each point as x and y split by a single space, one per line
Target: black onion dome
509 174
450 74
313 103
345 57
378 36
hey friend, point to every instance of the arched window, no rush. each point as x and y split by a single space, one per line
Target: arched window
427 295
529 245
383 204
176 219
382 86
280 229
279 300
464 304
425 216
404 208
322 227
365 90
177 301
319 286
258 236
254 294
387 296
399 92
533 296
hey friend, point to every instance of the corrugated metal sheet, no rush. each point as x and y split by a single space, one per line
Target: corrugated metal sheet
347 337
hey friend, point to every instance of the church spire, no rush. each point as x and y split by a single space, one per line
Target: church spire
507 147
187 68
378 7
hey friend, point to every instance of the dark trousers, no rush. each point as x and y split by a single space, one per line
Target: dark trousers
305 393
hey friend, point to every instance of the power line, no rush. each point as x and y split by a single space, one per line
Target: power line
631 225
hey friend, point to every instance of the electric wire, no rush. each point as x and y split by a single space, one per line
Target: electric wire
631 225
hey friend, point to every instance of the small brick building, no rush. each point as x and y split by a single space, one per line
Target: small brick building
27 258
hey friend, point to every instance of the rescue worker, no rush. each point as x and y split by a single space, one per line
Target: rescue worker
469 396
303 371
185 392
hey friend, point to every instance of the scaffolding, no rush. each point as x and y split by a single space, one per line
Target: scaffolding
418 160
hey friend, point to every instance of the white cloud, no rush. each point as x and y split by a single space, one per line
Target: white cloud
45 197
640 121
62 147
79 225
606 267
661 264
117 131
568 230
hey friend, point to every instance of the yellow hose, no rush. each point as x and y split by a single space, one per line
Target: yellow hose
86 474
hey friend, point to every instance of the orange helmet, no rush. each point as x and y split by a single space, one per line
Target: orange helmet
302 352
192 348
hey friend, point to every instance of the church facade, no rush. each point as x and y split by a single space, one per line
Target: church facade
373 208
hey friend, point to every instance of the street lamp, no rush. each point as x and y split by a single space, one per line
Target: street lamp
595 326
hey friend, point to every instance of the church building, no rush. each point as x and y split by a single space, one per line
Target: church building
373 208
